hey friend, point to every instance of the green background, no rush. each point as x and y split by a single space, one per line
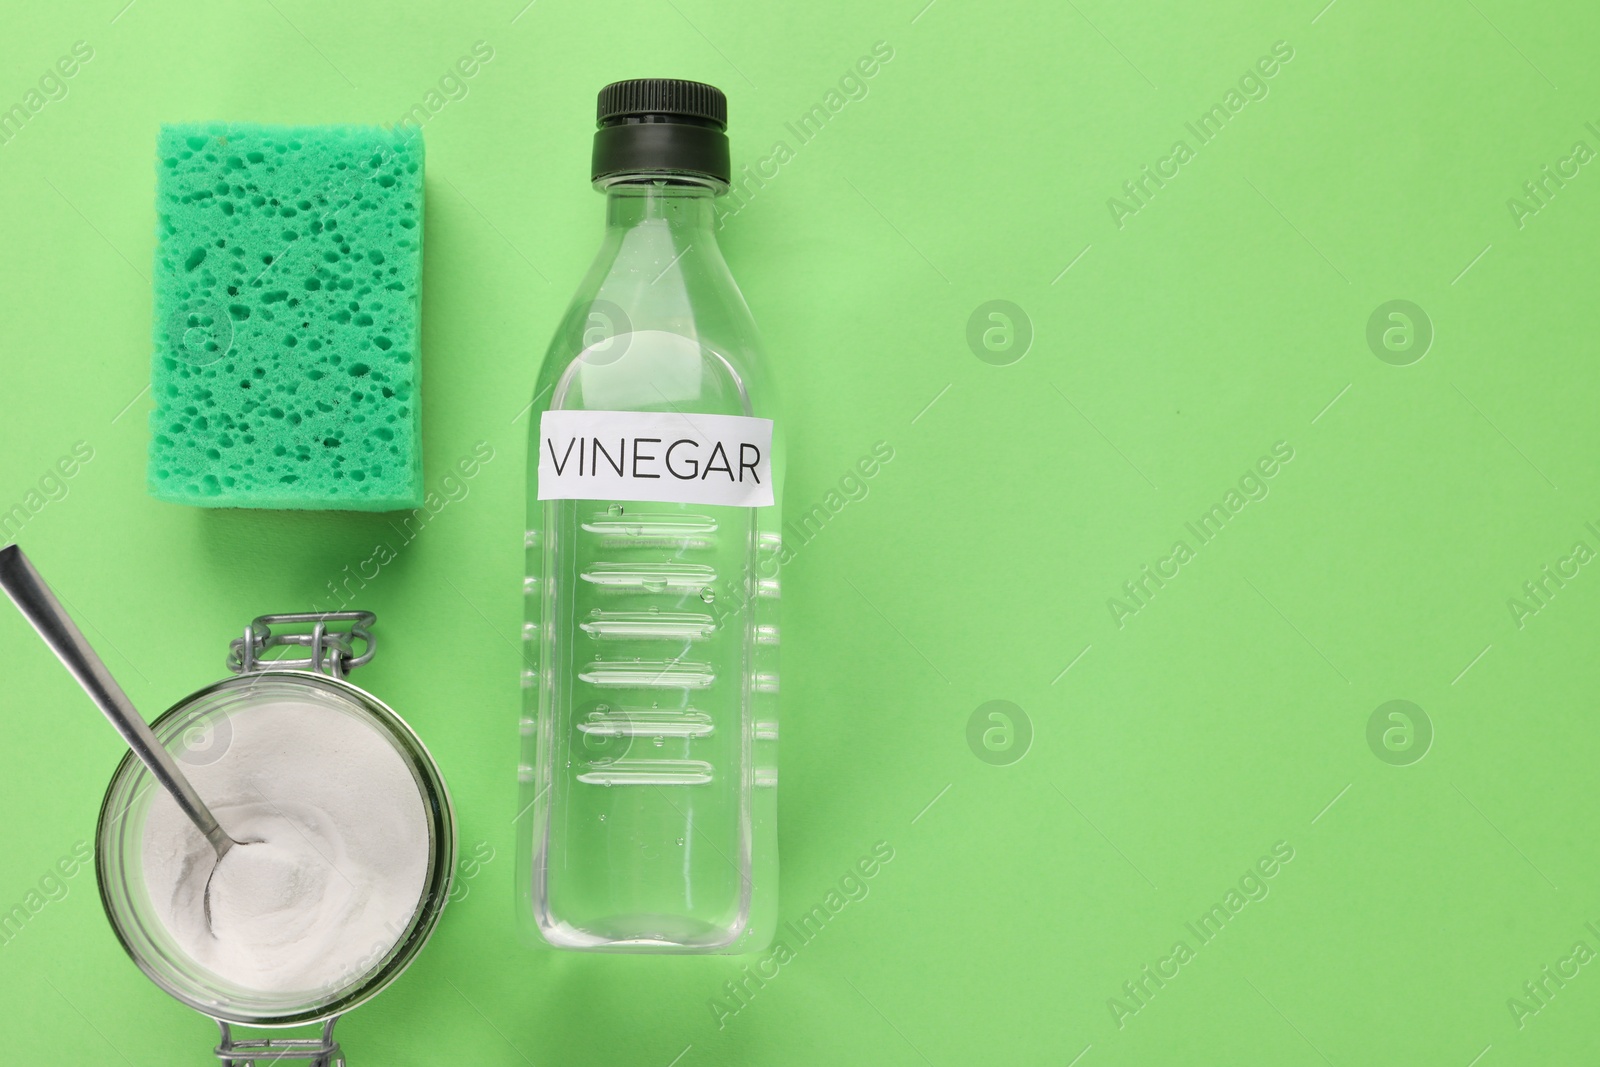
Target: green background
1167 755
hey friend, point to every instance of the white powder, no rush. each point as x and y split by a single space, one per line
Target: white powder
338 858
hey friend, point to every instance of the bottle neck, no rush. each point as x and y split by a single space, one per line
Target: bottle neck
679 208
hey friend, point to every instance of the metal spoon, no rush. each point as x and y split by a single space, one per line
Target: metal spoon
40 607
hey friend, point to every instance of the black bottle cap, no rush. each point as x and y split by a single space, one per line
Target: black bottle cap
661 126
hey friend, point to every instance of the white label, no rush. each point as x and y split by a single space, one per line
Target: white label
655 455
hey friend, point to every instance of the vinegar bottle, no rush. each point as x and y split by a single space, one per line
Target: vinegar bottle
653 546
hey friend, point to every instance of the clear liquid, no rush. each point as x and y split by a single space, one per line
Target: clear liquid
651 682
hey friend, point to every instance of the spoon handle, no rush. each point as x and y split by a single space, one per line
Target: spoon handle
28 591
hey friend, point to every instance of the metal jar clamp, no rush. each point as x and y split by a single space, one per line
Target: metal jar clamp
332 651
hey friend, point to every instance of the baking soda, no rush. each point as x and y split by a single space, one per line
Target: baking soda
334 859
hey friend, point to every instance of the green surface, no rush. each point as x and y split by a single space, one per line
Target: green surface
288 273
1214 728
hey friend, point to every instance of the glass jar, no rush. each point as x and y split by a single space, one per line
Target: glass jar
196 730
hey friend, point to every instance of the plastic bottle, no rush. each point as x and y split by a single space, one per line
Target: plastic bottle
653 546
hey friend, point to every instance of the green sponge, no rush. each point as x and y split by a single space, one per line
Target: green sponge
288 282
